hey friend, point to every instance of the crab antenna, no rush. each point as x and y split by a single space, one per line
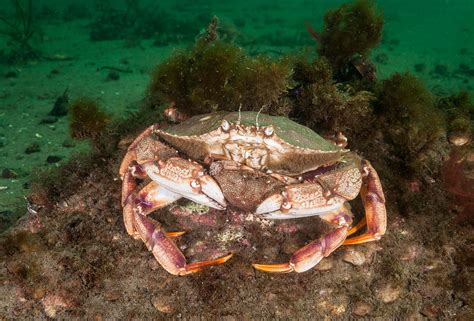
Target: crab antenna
240 114
258 114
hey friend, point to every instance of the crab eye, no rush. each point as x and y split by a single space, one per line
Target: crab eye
225 125
286 205
268 131
195 184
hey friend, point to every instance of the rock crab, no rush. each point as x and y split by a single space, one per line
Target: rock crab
268 165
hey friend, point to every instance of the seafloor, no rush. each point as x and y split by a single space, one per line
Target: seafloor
74 260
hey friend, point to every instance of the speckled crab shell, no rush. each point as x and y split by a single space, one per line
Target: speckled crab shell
273 143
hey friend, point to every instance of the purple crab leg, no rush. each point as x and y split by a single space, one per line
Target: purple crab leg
311 254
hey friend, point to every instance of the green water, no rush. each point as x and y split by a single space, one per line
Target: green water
107 49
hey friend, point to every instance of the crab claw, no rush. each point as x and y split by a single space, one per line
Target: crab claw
187 179
271 204
299 200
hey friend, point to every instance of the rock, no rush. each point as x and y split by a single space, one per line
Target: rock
9 173
53 159
162 305
387 292
458 138
354 257
61 106
68 143
113 75
430 311
361 308
290 247
325 265
112 295
441 70
11 74
52 303
33 148
420 67
49 120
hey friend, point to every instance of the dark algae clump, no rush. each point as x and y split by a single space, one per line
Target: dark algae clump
235 78
415 126
350 30
21 29
87 121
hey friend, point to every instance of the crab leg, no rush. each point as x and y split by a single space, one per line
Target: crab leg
151 197
165 250
374 204
131 154
311 254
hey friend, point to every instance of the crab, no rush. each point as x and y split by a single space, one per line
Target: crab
266 165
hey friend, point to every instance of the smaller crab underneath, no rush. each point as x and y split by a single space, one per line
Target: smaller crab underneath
275 168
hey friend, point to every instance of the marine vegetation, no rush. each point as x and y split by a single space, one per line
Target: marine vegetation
235 79
325 105
87 120
348 34
416 128
270 166
20 28
459 110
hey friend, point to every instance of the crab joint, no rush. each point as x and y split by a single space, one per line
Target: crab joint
225 126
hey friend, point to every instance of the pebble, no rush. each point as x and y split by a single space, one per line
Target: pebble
290 247
161 305
325 265
353 257
9 173
112 295
52 303
49 120
33 148
458 138
113 75
61 106
68 143
387 292
361 308
430 311
51 159
11 74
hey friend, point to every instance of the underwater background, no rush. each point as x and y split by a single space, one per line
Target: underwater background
80 79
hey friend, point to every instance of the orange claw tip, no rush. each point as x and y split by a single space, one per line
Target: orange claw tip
175 234
274 268
197 266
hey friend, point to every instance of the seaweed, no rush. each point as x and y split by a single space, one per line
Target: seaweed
324 105
20 29
235 79
87 121
350 31
414 126
459 110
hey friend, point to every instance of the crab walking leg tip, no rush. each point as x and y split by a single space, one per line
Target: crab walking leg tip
362 239
197 266
274 268
175 234
355 228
